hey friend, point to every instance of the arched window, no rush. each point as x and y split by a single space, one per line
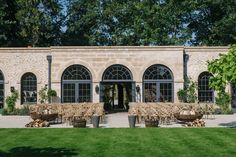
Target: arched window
28 88
158 84
117 87
205 93
117 73
76 84
1 90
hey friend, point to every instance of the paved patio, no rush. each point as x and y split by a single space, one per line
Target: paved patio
118 120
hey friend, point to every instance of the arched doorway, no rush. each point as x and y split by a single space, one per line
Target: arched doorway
1 89
117 88
29 88
158 84
76 83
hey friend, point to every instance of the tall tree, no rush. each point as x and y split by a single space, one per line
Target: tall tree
40 22
8 23
213 22
137 22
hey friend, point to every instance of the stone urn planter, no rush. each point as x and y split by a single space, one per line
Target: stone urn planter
188 117
95 121
151 123
79 123
132 120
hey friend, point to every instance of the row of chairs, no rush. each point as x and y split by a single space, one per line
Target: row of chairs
165 112
68 112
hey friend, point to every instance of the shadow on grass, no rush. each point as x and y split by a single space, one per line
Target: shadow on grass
230 124
38 152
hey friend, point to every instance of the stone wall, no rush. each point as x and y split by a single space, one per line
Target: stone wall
14 62
98 59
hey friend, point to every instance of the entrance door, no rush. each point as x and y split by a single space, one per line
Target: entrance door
117 95
117 88
233 103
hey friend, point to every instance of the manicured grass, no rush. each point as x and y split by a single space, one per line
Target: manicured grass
156 142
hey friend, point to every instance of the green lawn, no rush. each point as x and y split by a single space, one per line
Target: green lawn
153 142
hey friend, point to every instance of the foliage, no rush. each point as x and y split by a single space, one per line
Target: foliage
4 111
40 21
182 95
51 93
23 111
223 99
31 23
45 94
223 69
107 22
11 100
188 95
213 22
224 72
43 97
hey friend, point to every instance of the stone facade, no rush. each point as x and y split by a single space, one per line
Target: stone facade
14 62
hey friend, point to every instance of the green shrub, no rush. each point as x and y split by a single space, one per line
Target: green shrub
223 100
11 101
24 110
188 95
43 95
182 95
4 112
51 93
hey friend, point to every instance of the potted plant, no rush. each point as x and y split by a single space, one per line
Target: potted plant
79 123
132 118
151 122
182 95
95 120
51 94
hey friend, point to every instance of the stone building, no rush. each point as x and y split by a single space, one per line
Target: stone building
117 75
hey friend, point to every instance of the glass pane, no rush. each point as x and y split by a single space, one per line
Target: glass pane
68 92
205 93
150 94
157 72
76 72
165 92
84 92
1 95
234 95
117 72
28 89
1 76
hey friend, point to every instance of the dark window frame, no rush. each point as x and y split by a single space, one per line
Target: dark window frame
28 88
79 76
158 75
1 89
117 73
205 93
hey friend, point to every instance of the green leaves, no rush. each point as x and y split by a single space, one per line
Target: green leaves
110 22
223 69
106 22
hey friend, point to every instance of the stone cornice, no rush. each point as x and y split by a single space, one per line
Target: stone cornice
112 48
